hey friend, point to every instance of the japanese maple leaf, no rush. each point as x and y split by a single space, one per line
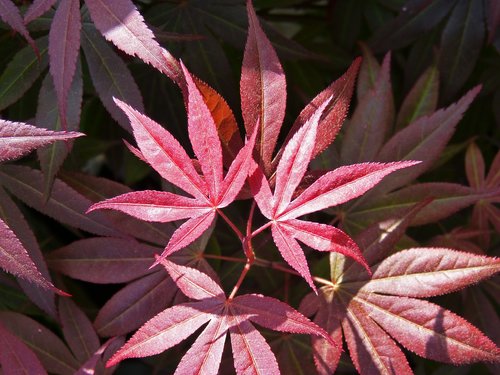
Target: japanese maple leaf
333 188
484 210
161 150
373 313
16 140
251 352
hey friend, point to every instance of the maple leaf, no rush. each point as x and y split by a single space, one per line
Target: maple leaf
373 313
11 16
333 188
16 140
210 192
484 210
224 315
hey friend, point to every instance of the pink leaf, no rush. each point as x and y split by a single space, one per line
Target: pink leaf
166 329
252 354
204 356
428 272
16 357
44 298
77 330
291 251
429 330
294 162
135 304
193 283
150 205
261 190
339 95
237 174
64 46
123 260
187 233
15 259
121 23
324 237
262 89
18 139
372 350
37 9
164 153
276 315
341 185
204 137
11 16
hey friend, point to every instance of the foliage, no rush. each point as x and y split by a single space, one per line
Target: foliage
138 263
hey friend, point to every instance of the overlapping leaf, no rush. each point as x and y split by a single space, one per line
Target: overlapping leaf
211 192
250 351
373 314
333 188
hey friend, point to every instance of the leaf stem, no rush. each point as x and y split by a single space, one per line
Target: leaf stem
258 230
231 225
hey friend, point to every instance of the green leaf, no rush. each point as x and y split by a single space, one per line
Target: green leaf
22 71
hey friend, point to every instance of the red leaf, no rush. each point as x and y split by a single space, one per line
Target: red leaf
65 204
52 156
37 8
429 330
262 89
204 356
291 251
16 357
164 153
428 272
110 75
341 185
150 205
50 350
276 315
338 94
77 330
121 23
370 121
135 304
324 237
237 174
187 233
11 16
166 329
18 139
224 119
372 350
293 164
123 260
204 137
423 140
44 298
64 46
15 259
251 352
193 283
